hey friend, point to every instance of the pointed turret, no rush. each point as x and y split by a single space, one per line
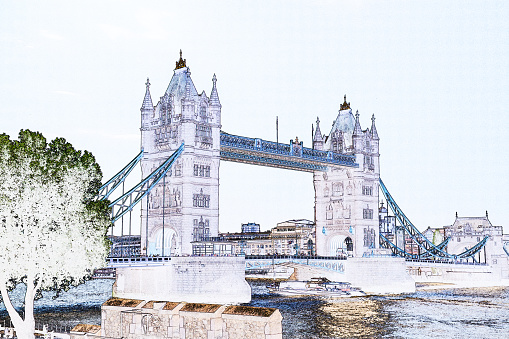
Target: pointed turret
374 133
318 138
357 134
214 97
147 100
357 129
147 108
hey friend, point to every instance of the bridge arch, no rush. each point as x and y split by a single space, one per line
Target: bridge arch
169 239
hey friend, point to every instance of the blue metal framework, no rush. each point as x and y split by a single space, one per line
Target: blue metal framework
117 179
126 202
290 156
429 250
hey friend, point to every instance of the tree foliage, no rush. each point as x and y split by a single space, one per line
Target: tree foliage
52 230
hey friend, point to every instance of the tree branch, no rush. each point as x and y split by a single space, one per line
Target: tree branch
13 314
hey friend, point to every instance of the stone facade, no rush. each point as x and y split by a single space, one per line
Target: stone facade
346 199
136 319
466 232
189 279
186 202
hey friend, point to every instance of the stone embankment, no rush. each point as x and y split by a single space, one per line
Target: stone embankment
130 319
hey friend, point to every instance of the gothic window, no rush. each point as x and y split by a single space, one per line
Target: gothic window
328 214
200 229
369 238
367 190
337 189
201 171
367 213
203 112
201 200
326 192
203 134
178 169
203 131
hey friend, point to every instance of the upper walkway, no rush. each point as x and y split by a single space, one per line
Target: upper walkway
288 156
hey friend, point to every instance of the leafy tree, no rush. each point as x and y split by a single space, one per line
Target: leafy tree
52 230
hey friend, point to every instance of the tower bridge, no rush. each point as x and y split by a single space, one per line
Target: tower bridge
183 144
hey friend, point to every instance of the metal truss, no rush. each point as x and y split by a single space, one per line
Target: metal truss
126 202
117 179
289 156
386 243
429 249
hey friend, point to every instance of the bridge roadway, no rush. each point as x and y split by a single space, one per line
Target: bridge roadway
288 156
255 262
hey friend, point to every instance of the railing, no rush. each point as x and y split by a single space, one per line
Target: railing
137 261
449 262
293 150
50 331
258 257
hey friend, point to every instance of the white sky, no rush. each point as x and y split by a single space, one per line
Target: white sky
435 74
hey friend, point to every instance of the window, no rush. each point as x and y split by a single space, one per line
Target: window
201 171
367 213
367 190
178 169
201 200
200 229
203 112
203 131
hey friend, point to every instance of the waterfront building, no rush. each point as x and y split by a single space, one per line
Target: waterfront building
466 232
294 237
291 237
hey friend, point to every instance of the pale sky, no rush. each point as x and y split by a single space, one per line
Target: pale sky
435 74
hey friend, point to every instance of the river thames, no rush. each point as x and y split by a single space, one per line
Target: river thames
440 313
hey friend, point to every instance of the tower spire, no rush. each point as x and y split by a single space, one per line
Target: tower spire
181 63
344 105
374 134
214 97
318 134
318 138
147 100
357 129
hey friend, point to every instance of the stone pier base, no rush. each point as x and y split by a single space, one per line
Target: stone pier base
138 319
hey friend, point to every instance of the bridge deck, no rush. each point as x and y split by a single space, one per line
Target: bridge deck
288 156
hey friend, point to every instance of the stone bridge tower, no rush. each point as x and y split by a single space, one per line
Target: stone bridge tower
346 199
186 206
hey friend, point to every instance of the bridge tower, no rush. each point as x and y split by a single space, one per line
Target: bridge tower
346 199
184 206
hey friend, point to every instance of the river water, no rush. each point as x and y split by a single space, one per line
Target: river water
440 313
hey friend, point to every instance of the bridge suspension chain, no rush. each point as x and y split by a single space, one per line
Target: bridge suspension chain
430 250
117 179
126 202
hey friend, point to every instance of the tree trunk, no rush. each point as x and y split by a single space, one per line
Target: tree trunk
24 328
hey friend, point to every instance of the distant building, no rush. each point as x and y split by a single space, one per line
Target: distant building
291 237
250 227
466 232
294 237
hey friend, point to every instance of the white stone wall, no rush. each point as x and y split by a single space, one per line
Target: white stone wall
189 279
